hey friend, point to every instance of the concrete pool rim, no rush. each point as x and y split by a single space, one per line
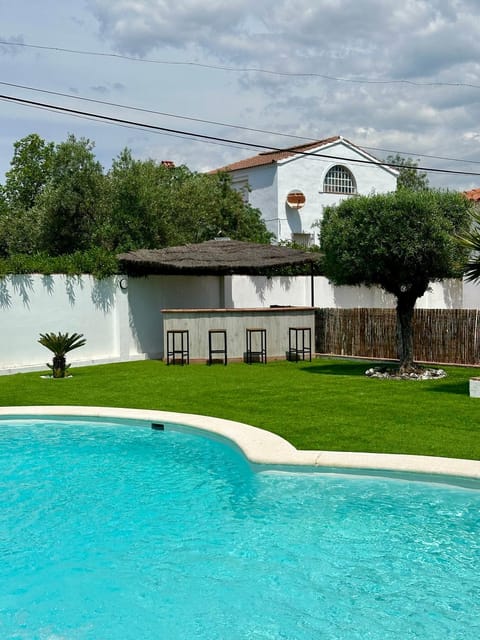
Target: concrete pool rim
266 450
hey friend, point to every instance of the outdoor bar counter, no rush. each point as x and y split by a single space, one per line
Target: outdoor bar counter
276 321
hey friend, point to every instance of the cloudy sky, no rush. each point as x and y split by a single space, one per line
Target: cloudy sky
390 76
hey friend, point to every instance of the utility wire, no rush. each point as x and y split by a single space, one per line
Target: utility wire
237 69
152 111
135 127
421 155
215 122
241 143
289 74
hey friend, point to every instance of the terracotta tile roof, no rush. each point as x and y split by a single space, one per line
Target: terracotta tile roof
473 194
269 157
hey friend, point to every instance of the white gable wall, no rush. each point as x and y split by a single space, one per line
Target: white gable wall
270 185
308 174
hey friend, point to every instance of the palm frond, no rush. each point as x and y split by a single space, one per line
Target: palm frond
471 241
61 343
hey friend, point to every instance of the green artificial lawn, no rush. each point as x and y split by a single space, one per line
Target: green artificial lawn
326 404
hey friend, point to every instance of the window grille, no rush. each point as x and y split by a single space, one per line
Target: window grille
339 180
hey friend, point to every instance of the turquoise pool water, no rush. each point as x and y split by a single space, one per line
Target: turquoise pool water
115 532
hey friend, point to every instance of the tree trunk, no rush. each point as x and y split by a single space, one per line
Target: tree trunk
59 366
405 306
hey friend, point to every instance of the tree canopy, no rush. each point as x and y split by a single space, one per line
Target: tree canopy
400 241
24 183
70 202
58 200
410 177
151 205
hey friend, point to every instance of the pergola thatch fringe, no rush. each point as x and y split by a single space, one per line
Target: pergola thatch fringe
214 257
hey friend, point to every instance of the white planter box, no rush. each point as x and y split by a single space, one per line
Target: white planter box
475 387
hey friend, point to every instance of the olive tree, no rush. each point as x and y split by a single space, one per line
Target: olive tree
400 241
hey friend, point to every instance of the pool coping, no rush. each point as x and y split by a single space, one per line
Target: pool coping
266 449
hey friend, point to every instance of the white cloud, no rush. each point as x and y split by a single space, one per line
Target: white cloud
138 27
397 74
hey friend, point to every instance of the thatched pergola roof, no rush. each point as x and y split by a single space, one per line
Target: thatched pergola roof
214 257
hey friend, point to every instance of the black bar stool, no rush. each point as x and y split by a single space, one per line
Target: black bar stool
178 346
299 343
256 350
217 345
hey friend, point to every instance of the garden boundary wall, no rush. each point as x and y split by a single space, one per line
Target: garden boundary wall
121 317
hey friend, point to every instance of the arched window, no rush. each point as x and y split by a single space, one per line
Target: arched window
339 180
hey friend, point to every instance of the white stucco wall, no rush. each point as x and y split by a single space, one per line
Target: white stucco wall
263 291
118 324
471 296
34 304
263 195
260 291
148 296
127 324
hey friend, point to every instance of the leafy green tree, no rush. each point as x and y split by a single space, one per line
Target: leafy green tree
136 210
70 204
29 172
209 207
19 231
152 205
25 181
3 224
57 202
409 175
400 241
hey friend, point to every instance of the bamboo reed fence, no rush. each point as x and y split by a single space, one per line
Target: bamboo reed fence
440 335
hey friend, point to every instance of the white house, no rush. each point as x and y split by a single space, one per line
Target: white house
292 186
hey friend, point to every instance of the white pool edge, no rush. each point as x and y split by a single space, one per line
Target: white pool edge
264 448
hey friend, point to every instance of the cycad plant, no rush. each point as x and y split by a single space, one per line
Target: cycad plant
471 240
60 344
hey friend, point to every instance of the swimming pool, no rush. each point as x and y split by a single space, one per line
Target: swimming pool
111 531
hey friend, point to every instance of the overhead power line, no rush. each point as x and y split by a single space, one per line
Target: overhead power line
288 74
421 155
215 122
210 138
152 111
